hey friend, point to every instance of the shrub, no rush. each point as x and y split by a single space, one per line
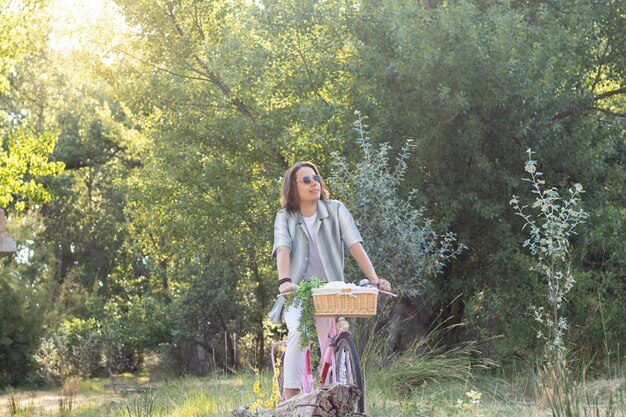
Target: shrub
21 321
72 349
115 340
399 239
551 227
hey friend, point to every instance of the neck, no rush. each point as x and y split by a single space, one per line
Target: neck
308 209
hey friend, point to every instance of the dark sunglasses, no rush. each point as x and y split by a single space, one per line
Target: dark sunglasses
307 179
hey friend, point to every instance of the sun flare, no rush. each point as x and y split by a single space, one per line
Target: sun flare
83 24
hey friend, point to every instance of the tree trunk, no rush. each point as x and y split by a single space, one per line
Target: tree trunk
200 361
193 354
410 320
261 295
333 401
165 286
260 355
7 243
454 313
431 4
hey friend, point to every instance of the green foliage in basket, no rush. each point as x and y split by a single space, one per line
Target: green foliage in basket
303 298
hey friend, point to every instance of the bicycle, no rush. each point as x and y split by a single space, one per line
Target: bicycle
339 362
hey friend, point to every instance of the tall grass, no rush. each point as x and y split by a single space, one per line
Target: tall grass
67 395
427 361
370 338
432 397
423 382
566 393
16 406
185 397
141 405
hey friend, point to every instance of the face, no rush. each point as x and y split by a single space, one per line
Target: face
307 192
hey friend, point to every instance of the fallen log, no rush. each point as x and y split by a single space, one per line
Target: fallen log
332 401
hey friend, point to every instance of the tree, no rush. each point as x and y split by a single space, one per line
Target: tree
224 118
25 148
175 121
475 84
20 327
551 225
399 238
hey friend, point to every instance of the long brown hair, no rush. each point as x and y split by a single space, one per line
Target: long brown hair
289 197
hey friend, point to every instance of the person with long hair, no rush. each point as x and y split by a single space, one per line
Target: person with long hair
310 232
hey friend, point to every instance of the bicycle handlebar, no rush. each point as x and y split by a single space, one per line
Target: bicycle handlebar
379 292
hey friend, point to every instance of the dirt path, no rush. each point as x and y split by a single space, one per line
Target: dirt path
49 401
91 393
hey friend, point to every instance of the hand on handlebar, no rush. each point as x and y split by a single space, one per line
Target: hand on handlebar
383 285
287 287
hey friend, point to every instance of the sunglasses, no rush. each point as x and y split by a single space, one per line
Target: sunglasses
307 179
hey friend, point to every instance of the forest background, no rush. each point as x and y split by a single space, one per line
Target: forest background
143 146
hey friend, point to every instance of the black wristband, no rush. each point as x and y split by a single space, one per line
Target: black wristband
282 281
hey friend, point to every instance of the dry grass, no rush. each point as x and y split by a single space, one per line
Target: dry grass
216 396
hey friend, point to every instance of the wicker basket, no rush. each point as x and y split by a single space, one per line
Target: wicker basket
345 302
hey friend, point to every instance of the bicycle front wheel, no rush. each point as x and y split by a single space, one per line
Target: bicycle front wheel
348 367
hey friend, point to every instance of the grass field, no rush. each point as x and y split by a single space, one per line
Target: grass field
131 396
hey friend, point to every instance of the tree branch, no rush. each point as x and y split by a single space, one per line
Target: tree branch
308 71
212 76
610 93
161 69
599 97
609 112
196 19
215 79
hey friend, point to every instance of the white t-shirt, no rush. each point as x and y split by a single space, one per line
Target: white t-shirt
312 226
314 263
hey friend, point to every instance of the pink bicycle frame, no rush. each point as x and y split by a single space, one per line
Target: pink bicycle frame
327 361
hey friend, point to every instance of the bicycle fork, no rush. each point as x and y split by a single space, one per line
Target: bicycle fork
329 357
